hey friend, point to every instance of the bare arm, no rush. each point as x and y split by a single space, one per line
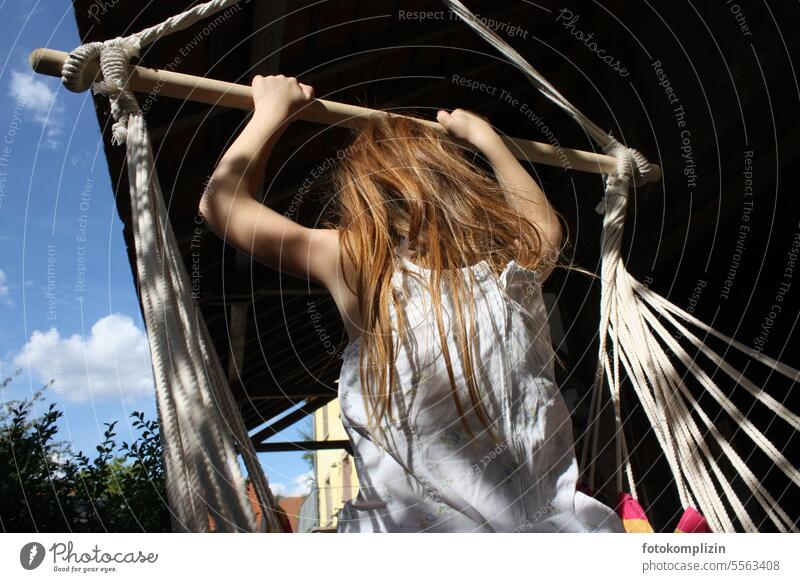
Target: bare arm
230 208
522 191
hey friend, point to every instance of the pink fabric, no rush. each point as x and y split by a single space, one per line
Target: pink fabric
692 522
629 508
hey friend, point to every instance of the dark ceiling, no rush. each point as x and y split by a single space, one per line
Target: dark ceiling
731 72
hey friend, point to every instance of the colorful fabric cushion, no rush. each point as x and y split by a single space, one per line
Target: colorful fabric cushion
692 522
633 517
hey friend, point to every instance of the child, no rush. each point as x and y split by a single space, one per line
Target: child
447 389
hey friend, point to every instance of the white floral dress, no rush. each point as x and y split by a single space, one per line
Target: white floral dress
431 476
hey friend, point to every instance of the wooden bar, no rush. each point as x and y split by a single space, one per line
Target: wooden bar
159 82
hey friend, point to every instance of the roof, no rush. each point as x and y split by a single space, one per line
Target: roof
291 506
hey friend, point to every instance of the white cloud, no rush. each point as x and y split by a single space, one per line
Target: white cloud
81 157
113 361
35 96
299 486
5 297
28 13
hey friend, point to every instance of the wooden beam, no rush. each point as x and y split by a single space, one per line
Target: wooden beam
237 332
302 446
310 405
284 392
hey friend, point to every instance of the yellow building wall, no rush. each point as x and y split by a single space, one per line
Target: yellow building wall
335 470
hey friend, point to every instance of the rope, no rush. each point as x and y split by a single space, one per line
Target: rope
632 335
202 429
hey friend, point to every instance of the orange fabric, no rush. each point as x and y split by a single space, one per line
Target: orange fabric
633 517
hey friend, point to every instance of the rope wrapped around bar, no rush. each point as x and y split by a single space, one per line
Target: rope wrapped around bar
633 333
201 426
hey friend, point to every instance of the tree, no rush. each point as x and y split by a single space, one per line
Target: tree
309 456
48 488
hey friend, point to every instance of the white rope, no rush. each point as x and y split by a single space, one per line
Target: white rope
631 334
200 422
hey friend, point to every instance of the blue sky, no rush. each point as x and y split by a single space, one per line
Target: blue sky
67 302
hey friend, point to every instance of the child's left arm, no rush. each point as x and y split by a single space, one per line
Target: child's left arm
229 206
523 193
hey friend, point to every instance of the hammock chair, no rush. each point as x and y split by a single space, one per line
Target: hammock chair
202 427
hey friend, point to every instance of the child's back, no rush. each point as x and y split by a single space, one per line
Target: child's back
431 475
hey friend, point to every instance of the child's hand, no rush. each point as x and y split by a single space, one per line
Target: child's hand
280 94
471 127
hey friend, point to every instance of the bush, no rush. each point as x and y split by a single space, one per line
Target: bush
48 488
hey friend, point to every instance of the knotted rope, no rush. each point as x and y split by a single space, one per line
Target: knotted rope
201 425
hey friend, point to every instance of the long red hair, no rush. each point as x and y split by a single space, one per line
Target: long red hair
401 179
